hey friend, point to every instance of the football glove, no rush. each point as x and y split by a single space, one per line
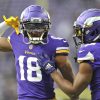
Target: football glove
13 22
46 64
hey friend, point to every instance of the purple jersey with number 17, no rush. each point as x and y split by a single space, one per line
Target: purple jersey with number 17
33 82
91 52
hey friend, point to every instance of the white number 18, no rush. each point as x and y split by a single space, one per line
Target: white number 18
30 69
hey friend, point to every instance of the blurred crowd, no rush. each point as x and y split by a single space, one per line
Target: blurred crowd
63 14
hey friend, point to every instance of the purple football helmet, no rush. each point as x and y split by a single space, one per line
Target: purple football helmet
87 27
35 24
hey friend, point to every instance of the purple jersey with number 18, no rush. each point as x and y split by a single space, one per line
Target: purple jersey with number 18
33 82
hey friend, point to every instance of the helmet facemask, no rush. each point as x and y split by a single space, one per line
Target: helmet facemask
36 30
78 35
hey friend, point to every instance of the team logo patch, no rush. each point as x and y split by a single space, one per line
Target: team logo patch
31 47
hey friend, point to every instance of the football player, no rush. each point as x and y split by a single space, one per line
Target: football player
87 29
31 37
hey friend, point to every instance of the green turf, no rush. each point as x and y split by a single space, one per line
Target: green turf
86 95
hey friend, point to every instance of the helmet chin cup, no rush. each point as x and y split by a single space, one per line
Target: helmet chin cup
35 40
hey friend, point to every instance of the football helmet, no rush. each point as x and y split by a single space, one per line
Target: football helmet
35 24
87 27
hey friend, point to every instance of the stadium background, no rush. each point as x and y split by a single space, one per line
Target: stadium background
63 14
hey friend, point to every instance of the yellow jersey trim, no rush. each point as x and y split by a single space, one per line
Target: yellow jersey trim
62 51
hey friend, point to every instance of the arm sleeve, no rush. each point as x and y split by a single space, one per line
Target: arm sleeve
3 28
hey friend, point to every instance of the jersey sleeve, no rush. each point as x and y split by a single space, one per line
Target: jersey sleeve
11 38
85 54
62 48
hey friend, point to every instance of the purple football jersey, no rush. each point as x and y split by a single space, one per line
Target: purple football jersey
33 82
91 52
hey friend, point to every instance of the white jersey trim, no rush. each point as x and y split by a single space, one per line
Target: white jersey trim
89 56
62 48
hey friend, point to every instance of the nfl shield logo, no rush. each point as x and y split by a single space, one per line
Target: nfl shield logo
31 47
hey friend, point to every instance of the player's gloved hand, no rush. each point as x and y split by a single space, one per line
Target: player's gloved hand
13 22
46 64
